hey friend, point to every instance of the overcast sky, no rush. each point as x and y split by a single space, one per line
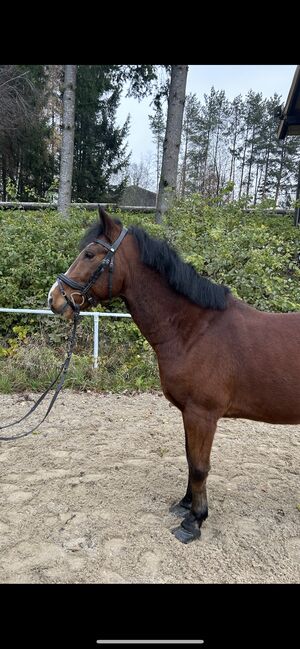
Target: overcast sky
234 79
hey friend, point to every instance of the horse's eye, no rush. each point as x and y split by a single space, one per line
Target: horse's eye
89 255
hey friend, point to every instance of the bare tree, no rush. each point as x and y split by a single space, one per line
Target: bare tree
15 99
141 174
176 99
67 144
20 103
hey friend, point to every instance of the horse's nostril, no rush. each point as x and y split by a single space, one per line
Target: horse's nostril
50 300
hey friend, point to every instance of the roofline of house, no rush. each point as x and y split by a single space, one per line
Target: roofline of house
289 116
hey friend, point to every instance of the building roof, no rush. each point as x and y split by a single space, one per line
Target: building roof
289 115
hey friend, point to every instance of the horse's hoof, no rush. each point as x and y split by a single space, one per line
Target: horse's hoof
185 536
191 524
181 508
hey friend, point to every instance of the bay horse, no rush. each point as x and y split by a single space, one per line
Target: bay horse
217 356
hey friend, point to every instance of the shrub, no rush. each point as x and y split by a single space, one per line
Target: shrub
255 254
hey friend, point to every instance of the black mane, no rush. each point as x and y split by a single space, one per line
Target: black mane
181 276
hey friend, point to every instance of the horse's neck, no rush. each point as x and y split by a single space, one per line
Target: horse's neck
155 308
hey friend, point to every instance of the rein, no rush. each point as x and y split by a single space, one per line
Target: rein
62 373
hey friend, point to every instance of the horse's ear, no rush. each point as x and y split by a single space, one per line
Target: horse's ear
104 219
108 224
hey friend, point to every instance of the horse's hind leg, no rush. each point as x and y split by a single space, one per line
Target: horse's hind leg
200 427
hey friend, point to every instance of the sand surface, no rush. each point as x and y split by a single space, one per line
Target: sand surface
87 499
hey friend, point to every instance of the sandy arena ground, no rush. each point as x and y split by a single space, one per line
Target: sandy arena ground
87 499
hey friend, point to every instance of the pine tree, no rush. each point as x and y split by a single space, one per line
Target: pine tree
99 148
158 128
234 136
190 146
213 113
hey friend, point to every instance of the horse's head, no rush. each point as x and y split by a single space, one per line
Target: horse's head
95 275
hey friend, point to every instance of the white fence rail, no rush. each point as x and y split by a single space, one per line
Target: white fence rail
16 205
91 314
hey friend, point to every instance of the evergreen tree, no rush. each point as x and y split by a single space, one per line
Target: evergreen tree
255 114
234 137
191 146
158 127
99 148
213 112
236 142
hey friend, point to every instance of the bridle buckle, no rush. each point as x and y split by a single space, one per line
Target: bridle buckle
76 303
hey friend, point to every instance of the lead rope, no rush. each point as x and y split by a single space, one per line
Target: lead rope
62 372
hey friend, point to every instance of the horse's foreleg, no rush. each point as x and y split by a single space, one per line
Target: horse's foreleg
180 508
186 501
200 428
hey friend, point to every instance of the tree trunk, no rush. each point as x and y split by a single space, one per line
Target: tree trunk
19 176
280 172
267 165
215 161
250 164
203 186
183 179
232 164
4 178
297 209
258 168
157 165
167 184
67 144
243 163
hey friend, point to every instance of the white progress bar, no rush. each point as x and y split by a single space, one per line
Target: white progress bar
150 641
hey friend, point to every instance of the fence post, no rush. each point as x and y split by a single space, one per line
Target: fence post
93 315
96 339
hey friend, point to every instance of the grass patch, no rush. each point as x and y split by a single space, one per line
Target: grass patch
33 367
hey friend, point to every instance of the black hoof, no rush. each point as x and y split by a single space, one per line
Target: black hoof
185 536
191 524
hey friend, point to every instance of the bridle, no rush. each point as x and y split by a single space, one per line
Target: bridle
83 289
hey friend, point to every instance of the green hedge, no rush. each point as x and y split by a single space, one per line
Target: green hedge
255 254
